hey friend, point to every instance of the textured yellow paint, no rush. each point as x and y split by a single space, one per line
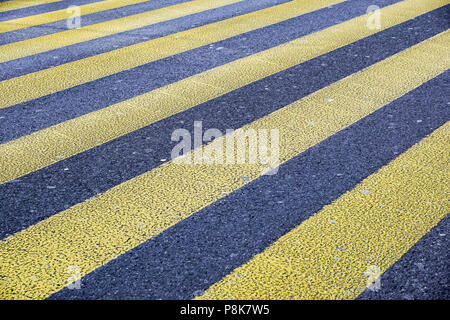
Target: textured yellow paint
58 15
44 82
69 37
15 4
34 262
368 228
66 139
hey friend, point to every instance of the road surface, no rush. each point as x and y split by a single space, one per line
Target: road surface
123 174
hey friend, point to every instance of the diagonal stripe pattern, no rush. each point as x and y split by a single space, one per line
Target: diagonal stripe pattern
363 233
66 139
37 261
58 15
66 38
78 72
15 5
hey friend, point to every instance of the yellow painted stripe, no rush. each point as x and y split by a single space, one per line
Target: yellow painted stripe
69 138
68 75
15 4
58 15
342 249
34 262
58 40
